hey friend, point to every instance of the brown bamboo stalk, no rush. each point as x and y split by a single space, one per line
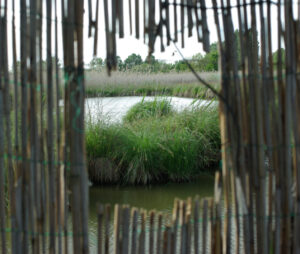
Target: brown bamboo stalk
183 227
125 229
130 16
162 48
107 232
188 233
204 26
117 229
198 21
151 28
50 133
96 28
108 29
100 226
113 33
121 18
145 19
196 225
137 19
279 172
134 215
141 249
204 225
3 50
79 144
60 187
24 54
151 232
33 126
190 18
42 198
14 174
175 22
175 220
167 9
167 240
290 83
182 16
218 212
159 234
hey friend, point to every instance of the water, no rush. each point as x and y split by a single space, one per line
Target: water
112 109
158 197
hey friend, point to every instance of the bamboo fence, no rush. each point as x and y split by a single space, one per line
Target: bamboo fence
43 176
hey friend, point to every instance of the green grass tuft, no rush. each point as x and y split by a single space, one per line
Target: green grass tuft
173 147
146 109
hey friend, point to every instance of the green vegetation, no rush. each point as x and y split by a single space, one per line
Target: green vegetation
173 147
183 84
147 109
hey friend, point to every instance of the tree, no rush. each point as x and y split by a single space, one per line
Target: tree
96 63
133 60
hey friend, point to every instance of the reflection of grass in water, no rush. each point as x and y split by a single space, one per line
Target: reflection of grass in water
158 197
174 147
129 84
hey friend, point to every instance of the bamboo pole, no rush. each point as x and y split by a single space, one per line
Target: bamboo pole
183 227
100 226
204 225
196 225
190 18
125 229
137 19
120 18
141 249
107 231
175 220
134 215
130 15
159 234
2 141
182 22
33 126
117 229
50 134
175 22
24 167
151 232
162 48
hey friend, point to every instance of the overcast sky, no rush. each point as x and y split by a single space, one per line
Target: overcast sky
129 44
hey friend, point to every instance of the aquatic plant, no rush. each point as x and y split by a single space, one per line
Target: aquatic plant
174 147
145 109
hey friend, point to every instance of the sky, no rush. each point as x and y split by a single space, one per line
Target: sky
129 44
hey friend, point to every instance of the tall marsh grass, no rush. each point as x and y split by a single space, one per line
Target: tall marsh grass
173 147
132 84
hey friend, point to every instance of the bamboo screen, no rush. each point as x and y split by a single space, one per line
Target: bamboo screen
42 153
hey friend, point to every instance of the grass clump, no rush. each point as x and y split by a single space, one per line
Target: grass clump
146 109
173 147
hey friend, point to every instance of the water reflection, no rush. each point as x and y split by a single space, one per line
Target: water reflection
158 197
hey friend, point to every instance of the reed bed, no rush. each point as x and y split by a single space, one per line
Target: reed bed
153 149
129 84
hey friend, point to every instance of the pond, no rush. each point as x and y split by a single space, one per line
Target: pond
112 109
158 197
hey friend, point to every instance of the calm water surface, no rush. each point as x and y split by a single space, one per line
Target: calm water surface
112 109
158 197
